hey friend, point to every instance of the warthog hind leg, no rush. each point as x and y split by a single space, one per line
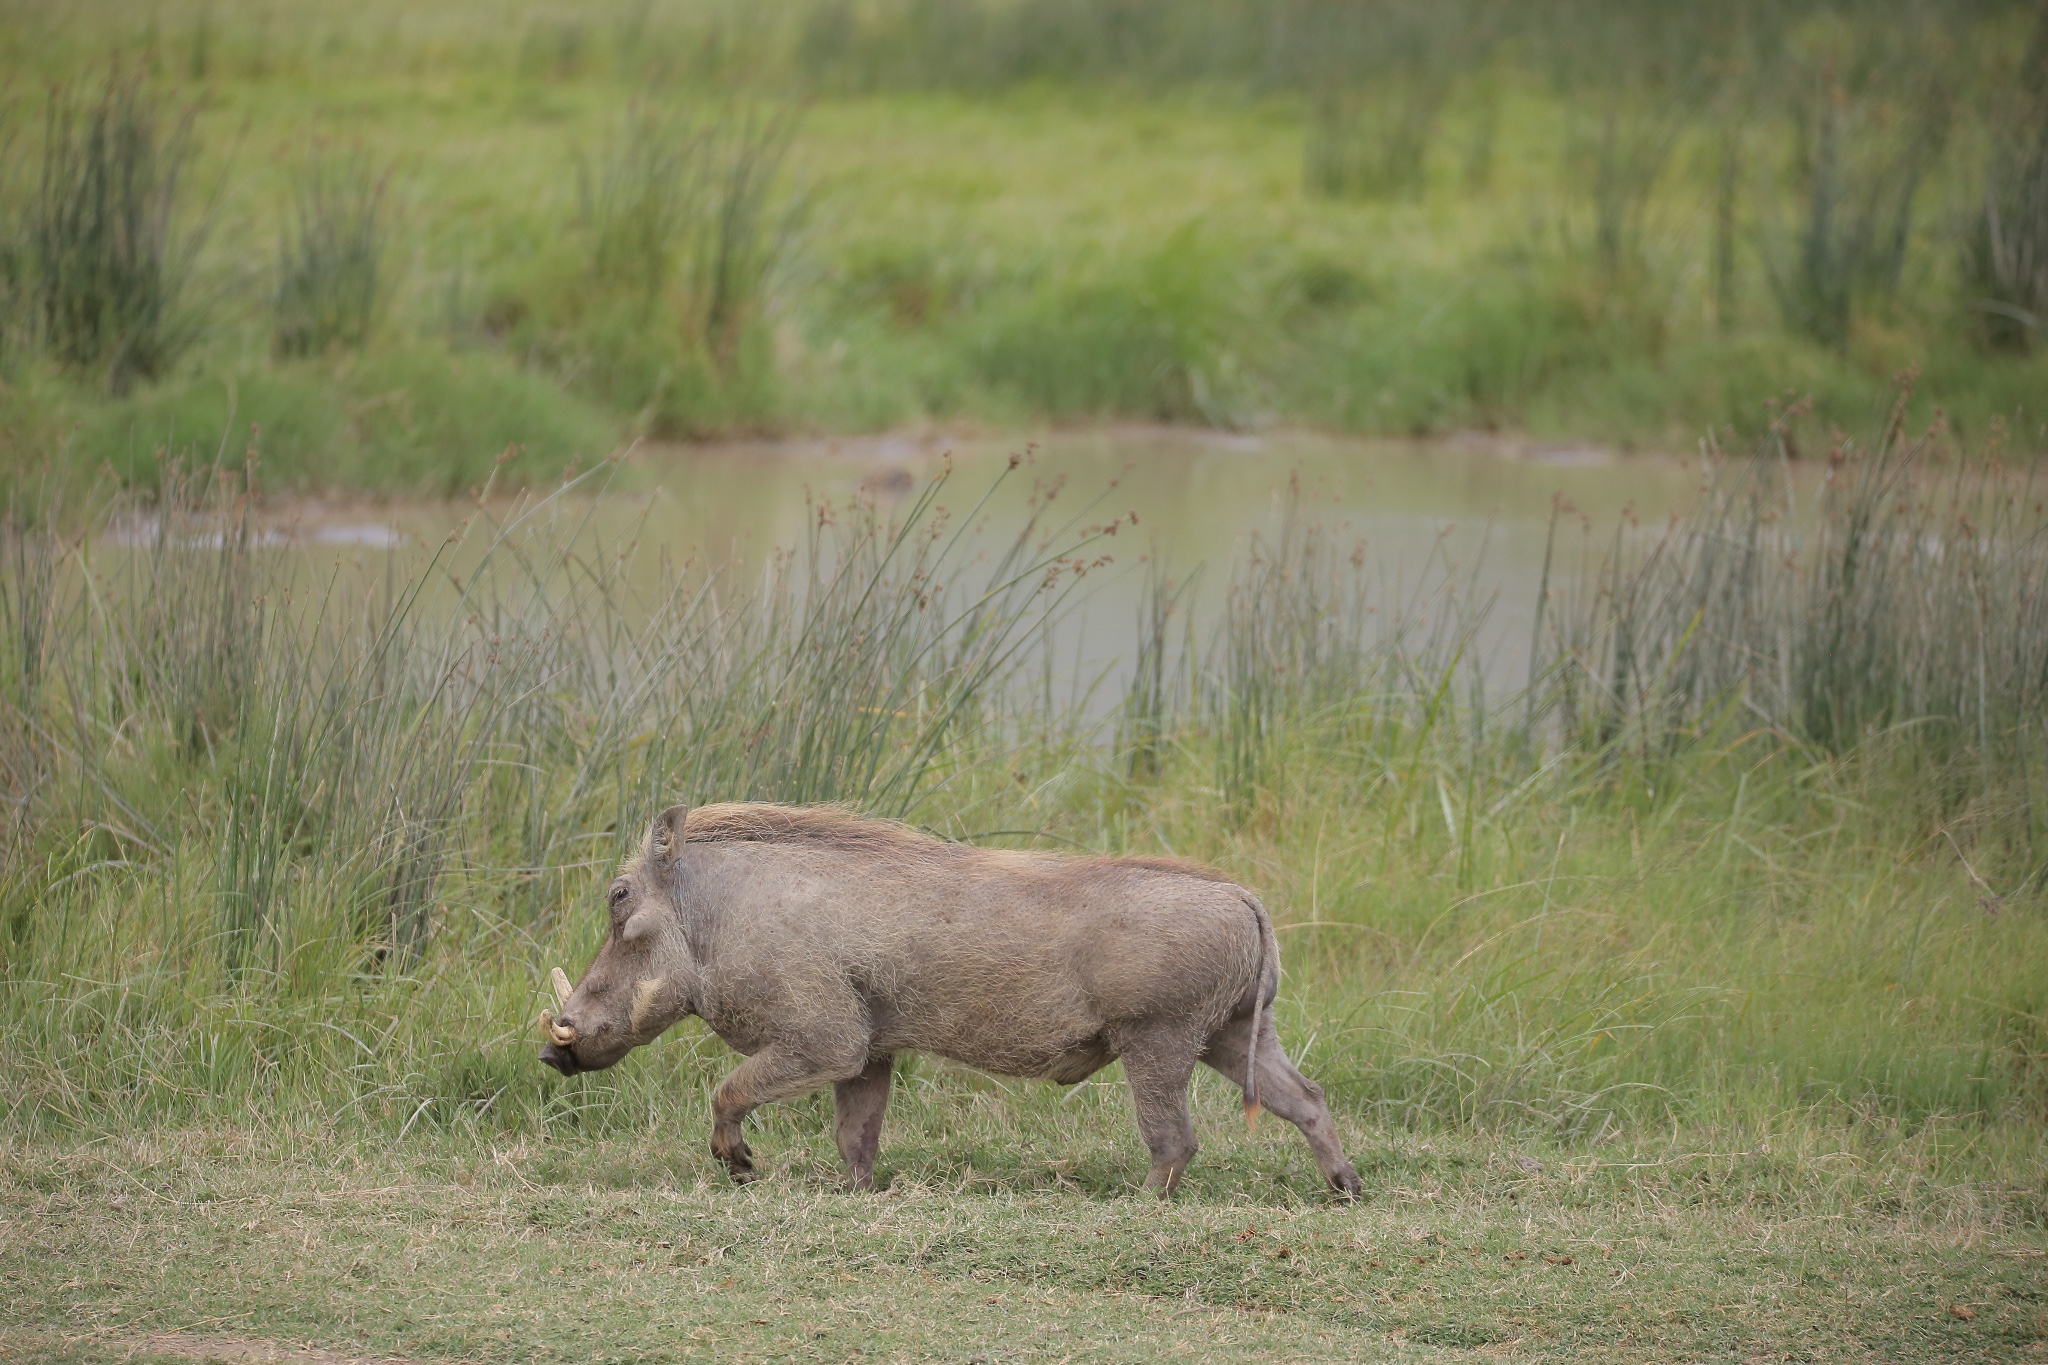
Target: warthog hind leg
857 1107
1159 1062
770 1074
1288 1093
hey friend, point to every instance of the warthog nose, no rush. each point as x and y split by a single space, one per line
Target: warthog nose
558 1031
560 1058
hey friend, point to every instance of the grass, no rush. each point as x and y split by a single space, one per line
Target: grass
1861 168
681 228
1643 965
330 261
1572 254
1684 999
629 1250
2007 257
109 259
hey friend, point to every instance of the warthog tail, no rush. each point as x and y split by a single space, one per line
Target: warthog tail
1269 961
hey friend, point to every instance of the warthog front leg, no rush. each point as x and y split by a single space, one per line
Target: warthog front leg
1159 1062
1288 1093
770 1074
857 1107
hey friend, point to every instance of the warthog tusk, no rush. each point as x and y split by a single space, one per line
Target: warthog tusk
561 1035
562 988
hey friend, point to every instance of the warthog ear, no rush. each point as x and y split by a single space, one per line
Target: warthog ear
665 839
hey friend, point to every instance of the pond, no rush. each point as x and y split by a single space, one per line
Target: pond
1416 513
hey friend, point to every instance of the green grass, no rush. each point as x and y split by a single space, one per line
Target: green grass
1025 1247
421 418
293 844
1006 254
1713 961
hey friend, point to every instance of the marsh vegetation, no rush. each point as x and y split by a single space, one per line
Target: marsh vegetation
251 787
401 244
1750 862
1693 944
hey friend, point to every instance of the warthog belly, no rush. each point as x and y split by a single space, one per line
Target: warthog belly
1077 1064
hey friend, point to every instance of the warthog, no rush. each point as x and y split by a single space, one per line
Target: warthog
820 944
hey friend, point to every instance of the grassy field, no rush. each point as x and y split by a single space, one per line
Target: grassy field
401 244
1686 998
1717 968
196 1243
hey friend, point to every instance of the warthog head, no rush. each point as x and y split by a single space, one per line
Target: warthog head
643 977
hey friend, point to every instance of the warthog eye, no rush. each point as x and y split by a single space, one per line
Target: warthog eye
618 894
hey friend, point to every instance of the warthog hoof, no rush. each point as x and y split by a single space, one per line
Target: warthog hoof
738 1158
1346 1185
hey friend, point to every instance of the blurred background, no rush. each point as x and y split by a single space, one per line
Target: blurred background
404 240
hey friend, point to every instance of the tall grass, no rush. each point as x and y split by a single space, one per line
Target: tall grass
681 226
634 200
2005 260
1899 608
331 256
1156 336
1638 76
1854 104
745 234
109 262
1453 312
17 311
839 45
1870 115
553 49
1852 667
1378 77
316 753
1149 700
681 215
1310 640
299 837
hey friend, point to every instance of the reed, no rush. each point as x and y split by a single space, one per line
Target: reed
109 261
681 226
330 268
743 235
1378 78
1894 610
1869 119
2005 256
296 840
634 200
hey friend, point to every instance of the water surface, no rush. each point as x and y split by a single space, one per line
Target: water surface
1417 512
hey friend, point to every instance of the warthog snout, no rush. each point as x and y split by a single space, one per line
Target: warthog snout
558 1033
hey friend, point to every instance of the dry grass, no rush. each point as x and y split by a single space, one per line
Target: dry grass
637 1251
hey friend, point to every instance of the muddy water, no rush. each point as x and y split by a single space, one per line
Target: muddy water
1476 510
